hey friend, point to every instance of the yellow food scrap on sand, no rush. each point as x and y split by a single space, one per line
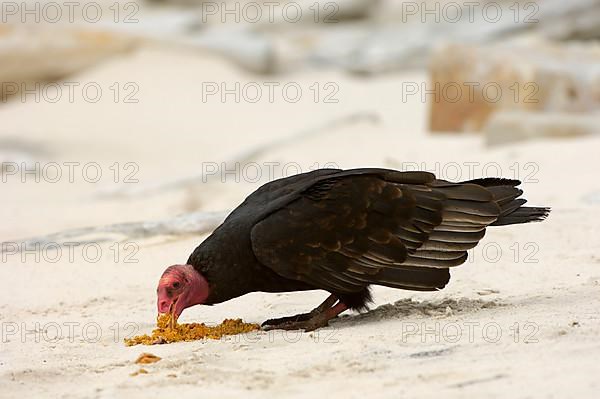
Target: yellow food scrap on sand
140 371
168 331
147 358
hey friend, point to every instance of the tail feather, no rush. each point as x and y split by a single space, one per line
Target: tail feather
523 214
506 196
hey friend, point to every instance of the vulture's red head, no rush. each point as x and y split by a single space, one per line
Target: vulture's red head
180 287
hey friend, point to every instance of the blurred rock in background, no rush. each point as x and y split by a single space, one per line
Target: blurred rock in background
559 82
32 54
513 126
367 37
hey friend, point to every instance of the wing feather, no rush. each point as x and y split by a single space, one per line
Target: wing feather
370 226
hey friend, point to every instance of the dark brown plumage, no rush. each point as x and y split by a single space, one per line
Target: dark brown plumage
343 230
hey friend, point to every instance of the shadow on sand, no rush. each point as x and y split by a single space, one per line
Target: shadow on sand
410 308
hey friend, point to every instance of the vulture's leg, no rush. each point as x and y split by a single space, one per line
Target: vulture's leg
328 303
318 320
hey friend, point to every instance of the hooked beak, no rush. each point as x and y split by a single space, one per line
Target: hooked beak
173 315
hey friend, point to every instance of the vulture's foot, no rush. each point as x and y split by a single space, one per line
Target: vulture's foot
327 304
318 318
288 319
307 325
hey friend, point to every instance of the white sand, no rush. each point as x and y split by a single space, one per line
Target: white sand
550 289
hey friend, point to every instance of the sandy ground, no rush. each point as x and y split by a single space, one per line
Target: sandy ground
519 319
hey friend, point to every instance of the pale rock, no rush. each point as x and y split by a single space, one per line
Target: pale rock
402 34
513 126
33 53
536 76
250 50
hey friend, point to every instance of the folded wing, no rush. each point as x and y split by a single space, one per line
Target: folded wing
390 228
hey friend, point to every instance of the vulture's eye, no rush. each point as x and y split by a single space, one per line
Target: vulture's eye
176 285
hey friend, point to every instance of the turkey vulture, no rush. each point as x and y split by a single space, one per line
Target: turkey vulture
341 231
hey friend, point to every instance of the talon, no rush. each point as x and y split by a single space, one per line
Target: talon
317 318
288 319
307 325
